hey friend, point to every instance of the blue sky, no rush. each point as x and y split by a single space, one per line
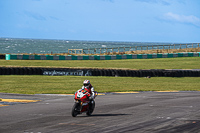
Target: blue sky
175 21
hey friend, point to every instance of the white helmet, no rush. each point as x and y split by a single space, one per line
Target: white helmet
86 83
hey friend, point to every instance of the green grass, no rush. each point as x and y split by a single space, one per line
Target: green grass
158 63
69 84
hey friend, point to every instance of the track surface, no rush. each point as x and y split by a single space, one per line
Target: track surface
142 112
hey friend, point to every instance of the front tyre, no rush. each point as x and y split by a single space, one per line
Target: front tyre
75 111
91 108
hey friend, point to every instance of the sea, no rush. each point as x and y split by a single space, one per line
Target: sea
45 46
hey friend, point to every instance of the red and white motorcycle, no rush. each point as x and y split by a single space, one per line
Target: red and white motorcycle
82 103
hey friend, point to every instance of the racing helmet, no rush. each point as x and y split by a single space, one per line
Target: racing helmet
86 83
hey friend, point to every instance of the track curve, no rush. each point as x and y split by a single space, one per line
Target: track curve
136 112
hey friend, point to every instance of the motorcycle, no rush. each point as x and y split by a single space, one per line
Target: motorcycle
83 103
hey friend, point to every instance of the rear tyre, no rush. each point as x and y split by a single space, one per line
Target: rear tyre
75 111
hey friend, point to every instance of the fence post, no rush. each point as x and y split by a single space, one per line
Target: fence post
174 46
186 48
124 49
141 48
106 50
192 45
163 47
118 49
147 48
180 46
135 48
198 45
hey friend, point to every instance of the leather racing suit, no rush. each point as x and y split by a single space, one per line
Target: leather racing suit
90 89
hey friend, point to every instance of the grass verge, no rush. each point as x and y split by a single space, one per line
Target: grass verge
158 63
69 84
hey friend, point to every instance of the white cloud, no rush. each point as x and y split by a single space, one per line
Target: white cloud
182 18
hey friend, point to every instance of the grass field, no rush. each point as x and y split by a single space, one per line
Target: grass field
69 84
158 63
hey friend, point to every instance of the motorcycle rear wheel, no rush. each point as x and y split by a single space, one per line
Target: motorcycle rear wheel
75 111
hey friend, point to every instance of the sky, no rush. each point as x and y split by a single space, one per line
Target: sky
174 21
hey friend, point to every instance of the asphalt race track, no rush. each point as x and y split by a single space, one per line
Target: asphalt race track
149 112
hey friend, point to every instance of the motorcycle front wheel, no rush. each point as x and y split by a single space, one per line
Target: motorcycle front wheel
75 111
91 109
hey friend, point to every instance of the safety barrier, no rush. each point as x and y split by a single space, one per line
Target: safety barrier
99 57
2 56
98 72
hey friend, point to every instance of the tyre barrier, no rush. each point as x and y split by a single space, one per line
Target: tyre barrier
2 56
20 71
98 72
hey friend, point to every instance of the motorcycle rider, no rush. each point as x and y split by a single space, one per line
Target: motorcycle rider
90 89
